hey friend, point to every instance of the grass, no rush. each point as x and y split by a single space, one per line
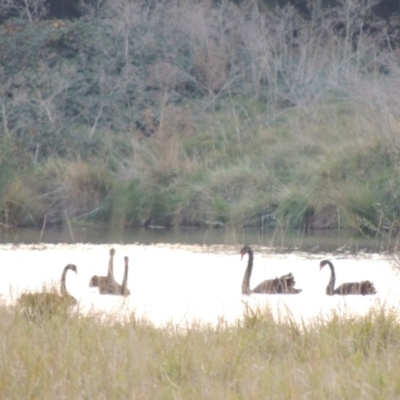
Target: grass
258 357
194 181
46 304
293 171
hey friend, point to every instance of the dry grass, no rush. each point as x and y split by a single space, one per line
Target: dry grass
259 357
45 304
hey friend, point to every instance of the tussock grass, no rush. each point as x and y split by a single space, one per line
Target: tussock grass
58 190
259 356
19 204
45 304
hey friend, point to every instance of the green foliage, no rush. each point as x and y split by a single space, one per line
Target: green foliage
57 190
363 182
129 204
168 117
165 202
294 211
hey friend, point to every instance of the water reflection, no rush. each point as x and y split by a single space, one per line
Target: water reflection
280 240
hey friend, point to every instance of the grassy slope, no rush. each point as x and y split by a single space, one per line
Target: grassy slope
158 119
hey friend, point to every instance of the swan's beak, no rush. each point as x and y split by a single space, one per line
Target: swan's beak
241 256
320 267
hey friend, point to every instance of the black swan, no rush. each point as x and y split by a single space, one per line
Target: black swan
63 289
363 287
124 287
48 302
107 284
283 285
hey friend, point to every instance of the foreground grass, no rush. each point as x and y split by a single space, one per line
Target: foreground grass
79 357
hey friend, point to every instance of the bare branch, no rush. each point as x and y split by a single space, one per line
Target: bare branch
32 10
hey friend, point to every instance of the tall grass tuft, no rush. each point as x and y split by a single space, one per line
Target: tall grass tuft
44 304
59 190
20 204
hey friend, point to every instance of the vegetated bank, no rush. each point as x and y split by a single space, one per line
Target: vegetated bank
201 115
71 356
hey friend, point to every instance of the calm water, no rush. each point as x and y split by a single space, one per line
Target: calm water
185 284
186 276
281 241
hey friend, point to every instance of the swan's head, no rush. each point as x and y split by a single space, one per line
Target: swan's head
245 249
72 267
112 252
94 281
323 263
126 259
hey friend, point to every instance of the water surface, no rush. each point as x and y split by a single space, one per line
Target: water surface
281 240
182 284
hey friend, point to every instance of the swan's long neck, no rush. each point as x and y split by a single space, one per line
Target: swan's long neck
63 287
125 279
247 274
331 285
110 272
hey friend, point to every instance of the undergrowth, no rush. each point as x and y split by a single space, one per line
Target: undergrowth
167 118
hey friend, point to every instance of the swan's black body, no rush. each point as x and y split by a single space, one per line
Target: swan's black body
283 285
360 288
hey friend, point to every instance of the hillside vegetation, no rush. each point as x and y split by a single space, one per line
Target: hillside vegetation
201 114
